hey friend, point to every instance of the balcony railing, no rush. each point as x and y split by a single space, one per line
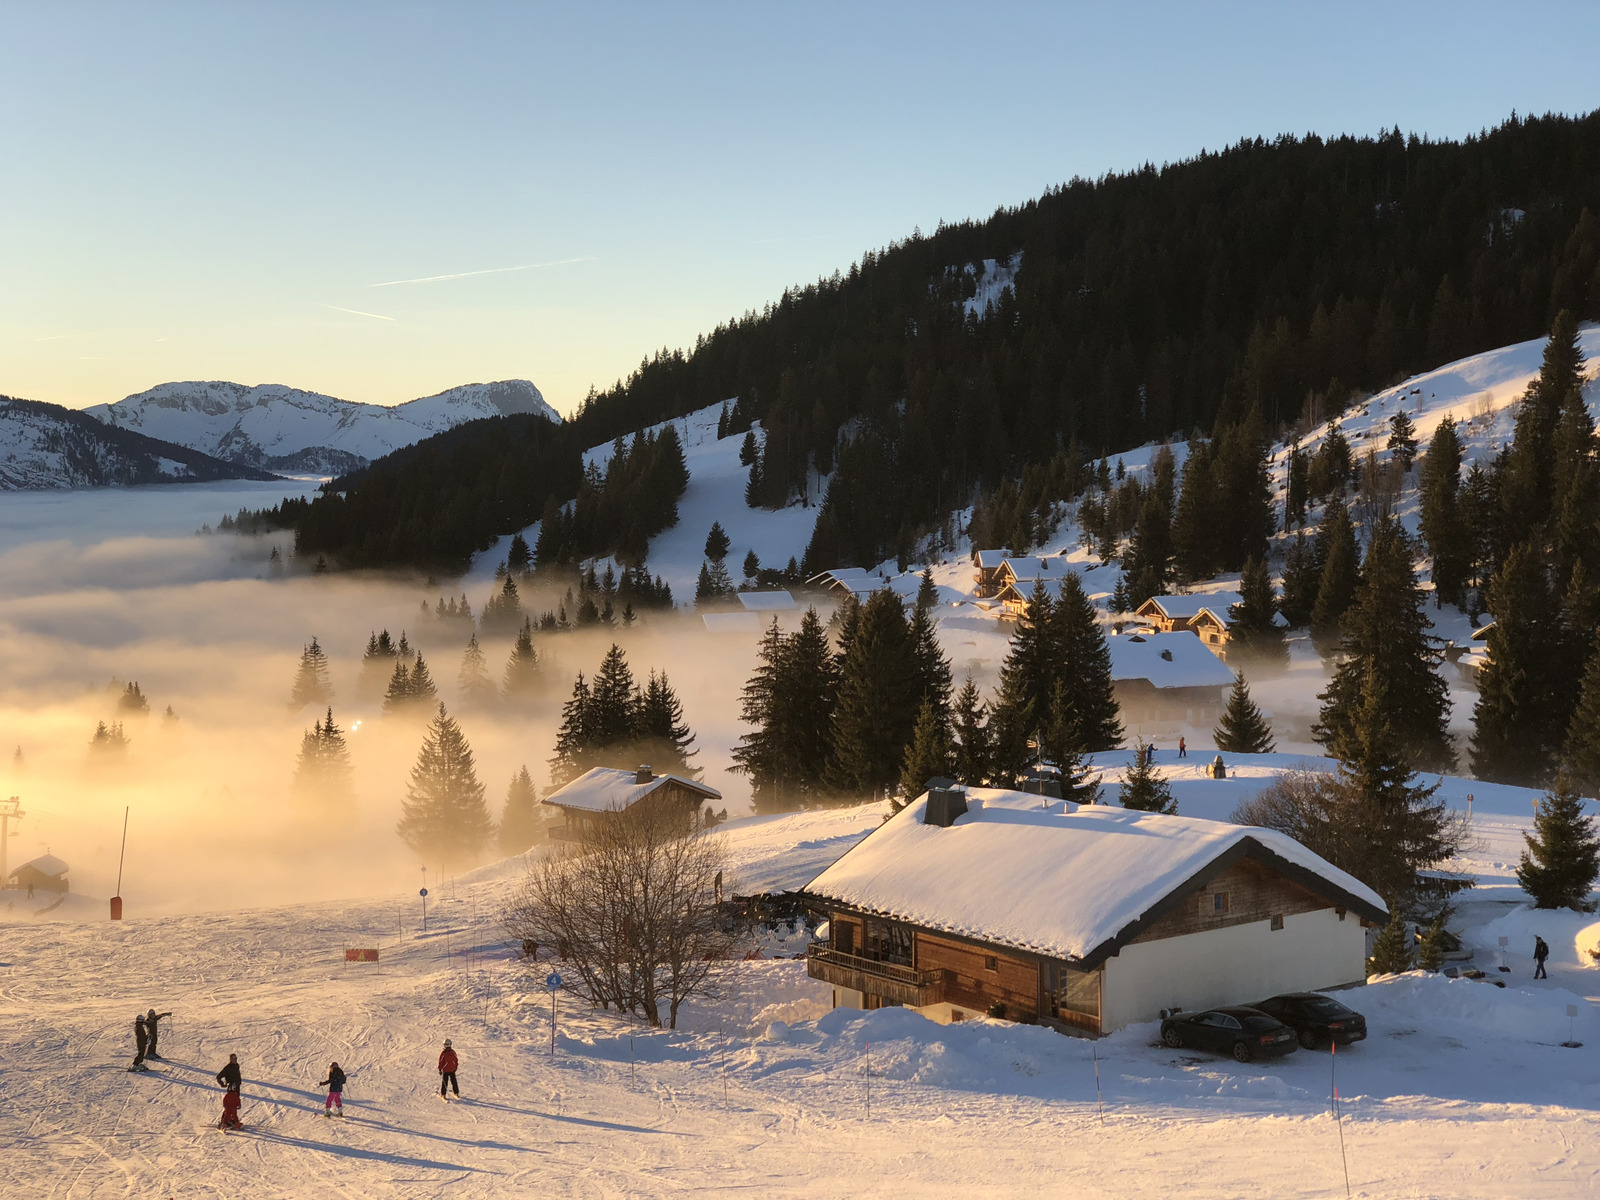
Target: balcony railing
891 981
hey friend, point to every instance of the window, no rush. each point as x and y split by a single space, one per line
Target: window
1219 904
887 942
1277 921
991 963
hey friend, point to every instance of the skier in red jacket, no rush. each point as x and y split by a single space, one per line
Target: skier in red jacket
447 1071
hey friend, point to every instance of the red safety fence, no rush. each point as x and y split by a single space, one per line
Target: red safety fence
361 956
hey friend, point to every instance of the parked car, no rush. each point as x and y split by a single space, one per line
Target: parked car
1316 1019
1242 1032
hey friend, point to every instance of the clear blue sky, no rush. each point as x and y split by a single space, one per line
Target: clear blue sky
198 191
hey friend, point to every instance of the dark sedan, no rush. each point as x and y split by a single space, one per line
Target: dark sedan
1316 1020
1244 1033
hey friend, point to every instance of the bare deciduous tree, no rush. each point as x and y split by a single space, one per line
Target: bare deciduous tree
631 910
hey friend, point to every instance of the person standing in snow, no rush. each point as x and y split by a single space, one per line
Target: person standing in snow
229 1077
152 1024
447 1070
335 1085
1541 951
141 1041
1183 748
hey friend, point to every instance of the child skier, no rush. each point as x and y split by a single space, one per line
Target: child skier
230 1078
141 1040
152 1023
447 1071
335 1085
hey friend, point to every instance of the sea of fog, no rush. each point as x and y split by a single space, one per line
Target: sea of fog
102 587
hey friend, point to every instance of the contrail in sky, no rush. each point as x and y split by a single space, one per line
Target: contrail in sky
354 312
560 262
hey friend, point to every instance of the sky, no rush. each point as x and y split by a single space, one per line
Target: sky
379 201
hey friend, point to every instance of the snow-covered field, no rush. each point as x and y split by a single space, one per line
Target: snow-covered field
1461 1090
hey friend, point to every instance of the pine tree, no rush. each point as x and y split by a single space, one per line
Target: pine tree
132 701
573 737
398 697
1255 636
612 715
311 684
876 709
472 680
717 542
444 819
1447 538
1517 732
1402 440
1528 485
1142 787
502 613
1121 603
323 773
1386 633
1298 492
1026 678
1336 550
1391 950
1085 666
1061 745
522 677
1194 525
519 559
377 665
931 668
928 756
421 690
660 733
1147 565
1562 859
1430 948
1581 755
759 753
752 565
973 755
520 825
927 591
1243 729
749 451
1301 579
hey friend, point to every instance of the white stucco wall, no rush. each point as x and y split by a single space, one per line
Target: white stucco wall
1236 965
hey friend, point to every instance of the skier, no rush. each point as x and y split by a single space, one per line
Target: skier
141 1039
152 1021
229 1078
1541 951
447 1071
335 1085
1183 748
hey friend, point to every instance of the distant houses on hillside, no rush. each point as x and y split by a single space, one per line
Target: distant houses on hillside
1085 918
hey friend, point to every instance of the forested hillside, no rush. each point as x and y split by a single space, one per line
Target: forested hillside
1275 276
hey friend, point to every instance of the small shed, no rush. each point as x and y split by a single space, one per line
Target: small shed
47 873
597 795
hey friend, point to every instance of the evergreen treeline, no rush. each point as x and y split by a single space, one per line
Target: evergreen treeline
1144 304
611 721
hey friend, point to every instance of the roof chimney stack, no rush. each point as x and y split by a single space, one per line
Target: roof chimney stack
643 774
946 802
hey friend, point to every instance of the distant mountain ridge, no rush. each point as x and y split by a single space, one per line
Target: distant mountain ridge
45 446
282 428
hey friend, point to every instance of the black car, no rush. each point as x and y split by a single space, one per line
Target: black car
1316 1020
1245 1033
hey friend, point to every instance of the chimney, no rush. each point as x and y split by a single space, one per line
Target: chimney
945 803
643 774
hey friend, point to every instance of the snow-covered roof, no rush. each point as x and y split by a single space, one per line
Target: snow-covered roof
732 622
988 560
1055 878
779 601
1031 567
1187 608
611 789
1168 660
858 581
45 864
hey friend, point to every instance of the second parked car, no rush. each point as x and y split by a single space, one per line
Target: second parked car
1245 1033
1316 1019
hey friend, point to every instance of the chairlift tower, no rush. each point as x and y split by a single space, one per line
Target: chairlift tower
10 810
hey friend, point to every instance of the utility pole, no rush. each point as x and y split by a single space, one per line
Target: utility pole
10 810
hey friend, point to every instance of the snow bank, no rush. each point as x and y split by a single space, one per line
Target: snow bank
1472 1010
1571 935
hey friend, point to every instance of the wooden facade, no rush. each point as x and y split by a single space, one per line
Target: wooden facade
889 962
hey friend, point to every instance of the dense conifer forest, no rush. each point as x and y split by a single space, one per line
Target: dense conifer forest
1238 289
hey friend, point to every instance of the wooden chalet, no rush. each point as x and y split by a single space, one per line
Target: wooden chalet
596 795
1085 918
1163 681
1017 578
986 571
1209 616
47 873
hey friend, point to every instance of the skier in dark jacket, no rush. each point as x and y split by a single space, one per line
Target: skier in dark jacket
228 1077
335 1085
152 1023
1541 951
447 1070
141 1041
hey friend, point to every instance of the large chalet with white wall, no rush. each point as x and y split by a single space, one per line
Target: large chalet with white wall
1083 917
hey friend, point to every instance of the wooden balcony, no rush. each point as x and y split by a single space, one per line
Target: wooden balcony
891 981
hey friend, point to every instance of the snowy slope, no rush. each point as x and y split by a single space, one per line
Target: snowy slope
284 428
1462 1089
44 446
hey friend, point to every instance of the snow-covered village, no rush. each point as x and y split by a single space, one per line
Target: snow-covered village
1100 698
